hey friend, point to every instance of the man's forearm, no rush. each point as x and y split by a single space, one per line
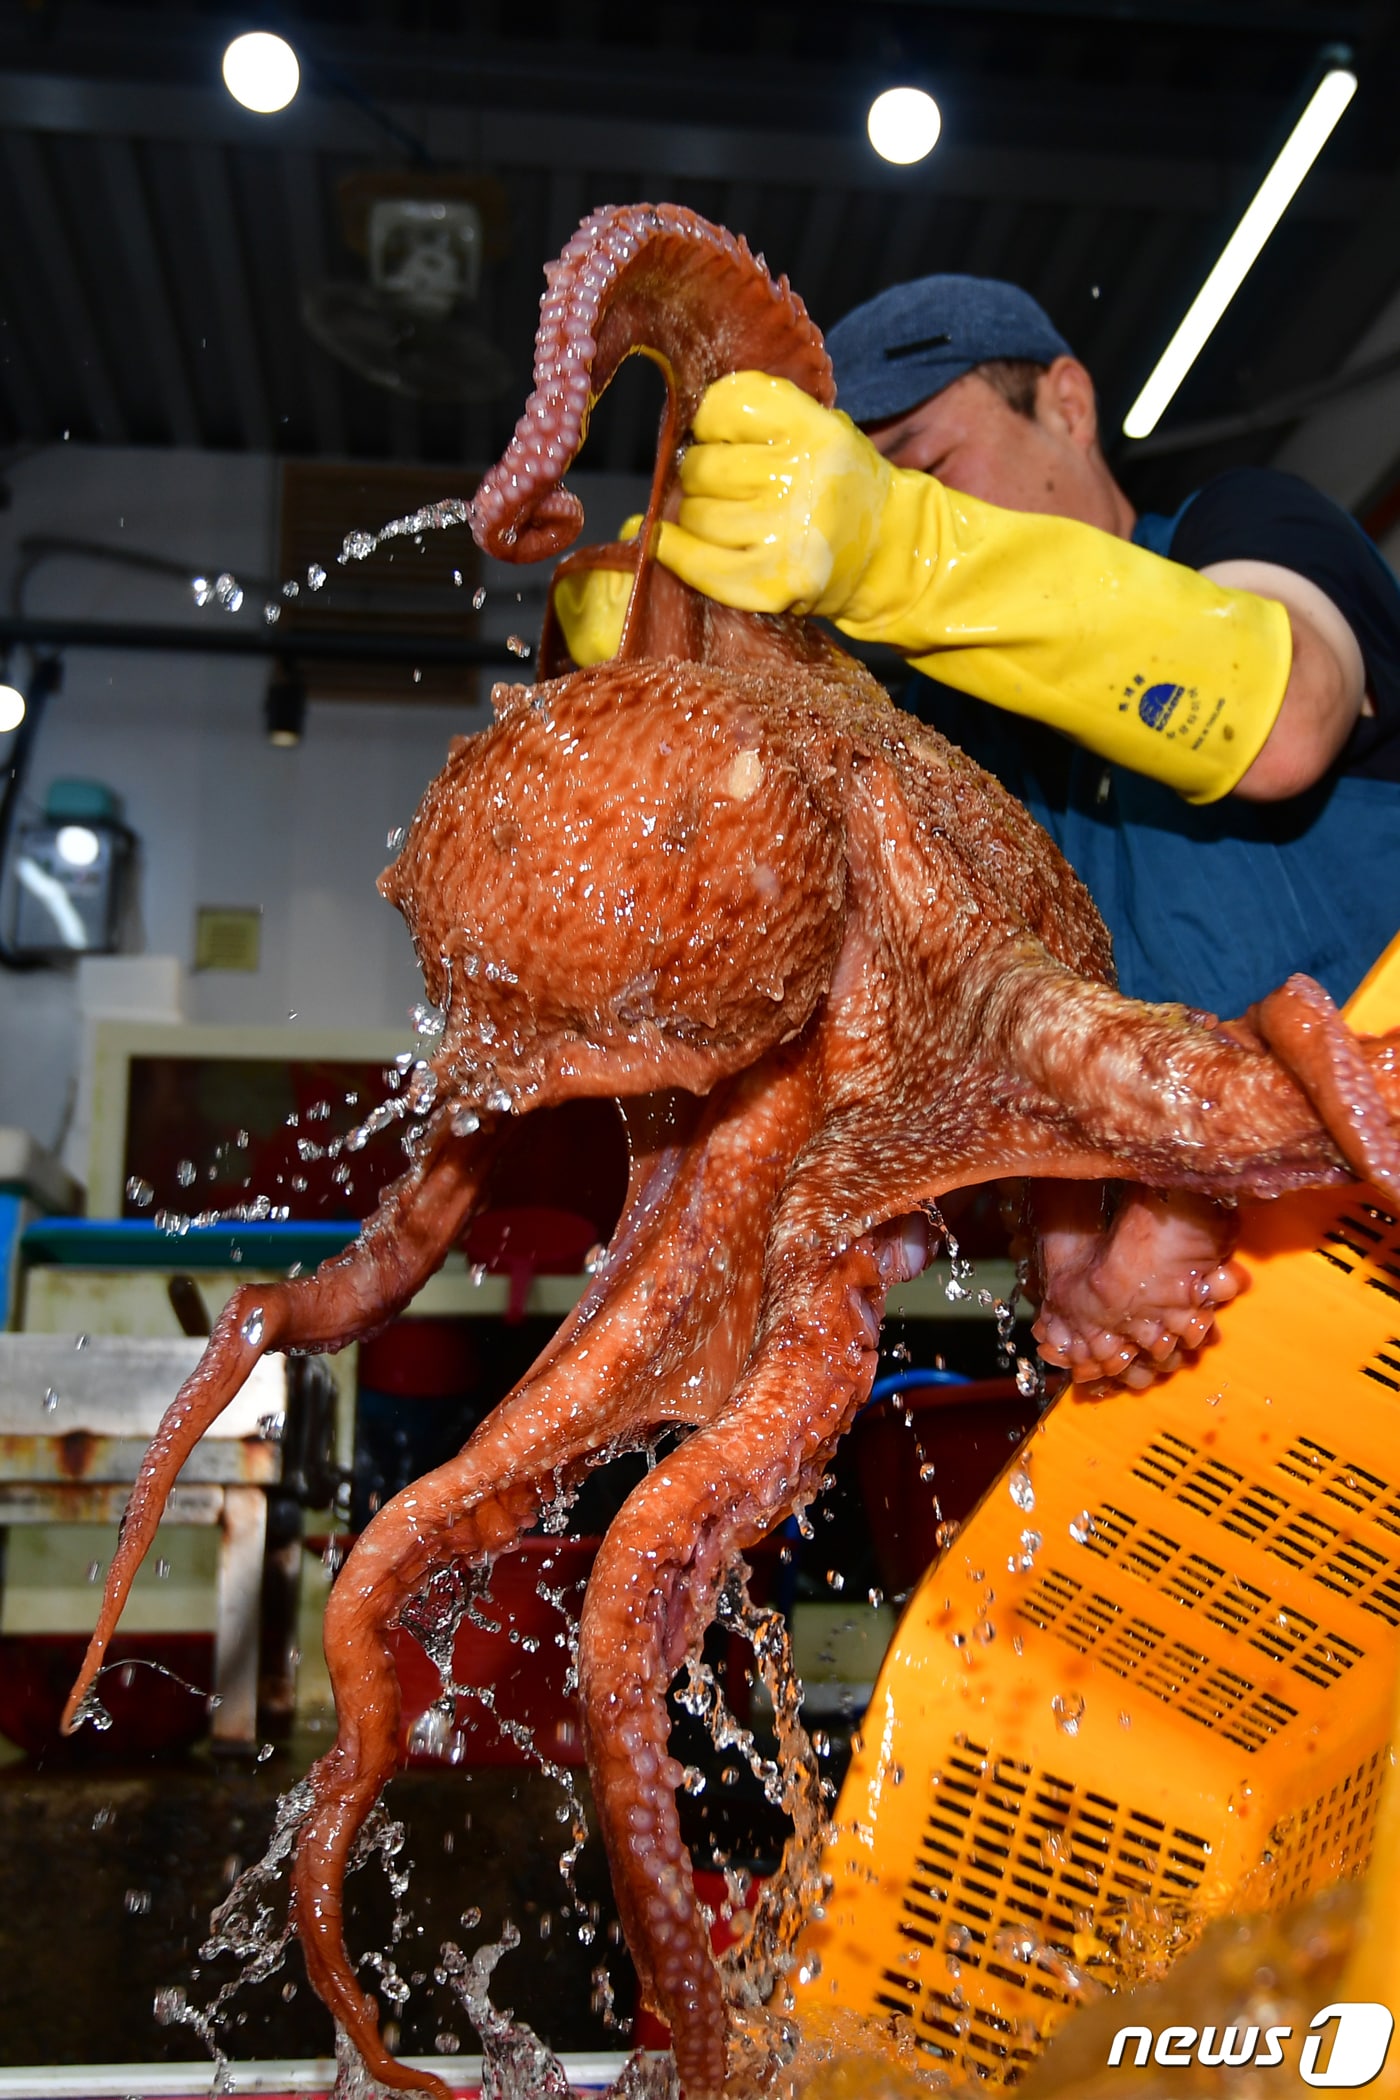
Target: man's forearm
1326 690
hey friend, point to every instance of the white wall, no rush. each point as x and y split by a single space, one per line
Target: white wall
223 817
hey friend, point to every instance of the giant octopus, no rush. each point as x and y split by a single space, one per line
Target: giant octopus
832 973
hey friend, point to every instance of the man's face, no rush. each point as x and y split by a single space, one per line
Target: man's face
974 441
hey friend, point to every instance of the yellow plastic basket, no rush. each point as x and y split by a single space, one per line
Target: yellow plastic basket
1182 1705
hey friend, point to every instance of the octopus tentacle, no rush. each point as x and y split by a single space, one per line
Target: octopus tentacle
1303 1028
644 278
1123 1292
1153 1094
661 1336
419 1218
654 1588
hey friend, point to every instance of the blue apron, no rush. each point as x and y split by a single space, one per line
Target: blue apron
1213 905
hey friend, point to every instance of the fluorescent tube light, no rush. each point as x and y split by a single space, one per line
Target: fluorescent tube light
1307 139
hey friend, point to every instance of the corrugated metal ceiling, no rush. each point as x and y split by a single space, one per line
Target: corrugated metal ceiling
157 241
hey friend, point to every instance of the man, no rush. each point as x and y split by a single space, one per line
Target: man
1204 710
1213 739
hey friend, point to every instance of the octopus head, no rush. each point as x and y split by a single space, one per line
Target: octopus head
620 885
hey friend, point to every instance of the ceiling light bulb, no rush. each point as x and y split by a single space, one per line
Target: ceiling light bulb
904 124
11 708
78 846
261 71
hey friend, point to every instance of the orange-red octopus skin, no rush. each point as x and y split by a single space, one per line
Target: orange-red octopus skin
833 972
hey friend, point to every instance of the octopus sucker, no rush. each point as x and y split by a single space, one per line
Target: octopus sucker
831 973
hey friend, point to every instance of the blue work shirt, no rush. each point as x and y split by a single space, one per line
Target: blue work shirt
1216 905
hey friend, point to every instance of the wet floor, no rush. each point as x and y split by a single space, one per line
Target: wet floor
107 1881
108 1878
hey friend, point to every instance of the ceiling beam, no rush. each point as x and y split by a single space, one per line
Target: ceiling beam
812 261
509 137
301 199
911 222
568 203
337 644
33 204
152 313
18 384
1120 341
1067 265
233 301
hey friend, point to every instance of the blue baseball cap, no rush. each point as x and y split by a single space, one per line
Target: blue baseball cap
905 345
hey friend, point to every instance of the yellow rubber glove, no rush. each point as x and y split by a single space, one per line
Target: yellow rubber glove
591 605
788 507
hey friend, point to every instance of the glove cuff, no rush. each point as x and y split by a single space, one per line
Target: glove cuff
1134 656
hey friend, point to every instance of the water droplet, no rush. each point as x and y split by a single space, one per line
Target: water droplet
396 838
80 1341
94 1570
927 1469
139 1192
272 612
252 1328
517 645
185 1173
478 597
228 592
1068 1709
478 1273
357 546
315 576
1020 1490
136 1902
500 1101
291 589
427 1020
162 1571
264 1753
50 1401
1081 1528
465 1121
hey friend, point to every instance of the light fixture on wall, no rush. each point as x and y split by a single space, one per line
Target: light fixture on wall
261 71
73 873
904 124
284 709
12 704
